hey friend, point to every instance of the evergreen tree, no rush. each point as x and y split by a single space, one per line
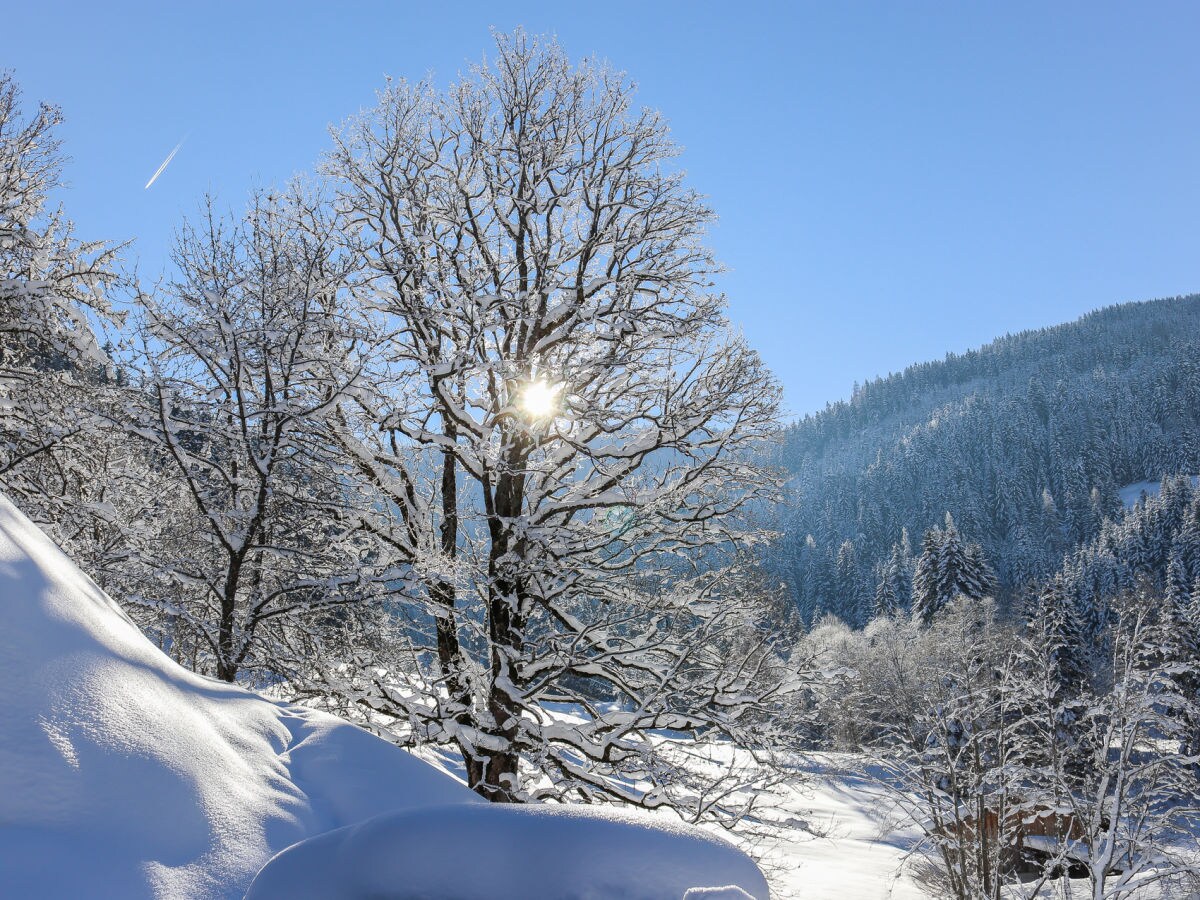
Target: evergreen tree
978 579
1028 440
926 590
886 601
947 568
1181 652
1055 622
894 578
848 601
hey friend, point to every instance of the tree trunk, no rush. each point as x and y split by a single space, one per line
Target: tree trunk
442 592
227 667
499 778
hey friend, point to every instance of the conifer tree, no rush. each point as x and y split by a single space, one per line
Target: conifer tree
848 595
947 568
893 589
1055 621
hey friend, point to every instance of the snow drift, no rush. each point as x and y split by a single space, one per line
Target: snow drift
124 775
509 853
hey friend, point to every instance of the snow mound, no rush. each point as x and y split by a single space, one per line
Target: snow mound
503 852
124 775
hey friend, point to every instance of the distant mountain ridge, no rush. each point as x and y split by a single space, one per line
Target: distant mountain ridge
1025 441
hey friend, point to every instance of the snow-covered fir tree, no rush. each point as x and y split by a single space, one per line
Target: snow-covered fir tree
894 579
948 567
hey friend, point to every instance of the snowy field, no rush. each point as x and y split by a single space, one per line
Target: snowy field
828 835
833 836
857 850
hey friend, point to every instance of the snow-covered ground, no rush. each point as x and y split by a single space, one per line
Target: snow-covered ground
834 836
827 834
1131 493
123 775
509 853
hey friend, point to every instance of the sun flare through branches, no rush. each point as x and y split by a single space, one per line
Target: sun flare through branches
540 399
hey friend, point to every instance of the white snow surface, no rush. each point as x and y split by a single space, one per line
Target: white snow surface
510 853
124 775
838 836
1131 493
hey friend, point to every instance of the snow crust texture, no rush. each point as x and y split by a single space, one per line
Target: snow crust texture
505 852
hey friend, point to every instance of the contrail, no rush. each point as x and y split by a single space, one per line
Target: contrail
166 162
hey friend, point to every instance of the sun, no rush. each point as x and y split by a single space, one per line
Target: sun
540 399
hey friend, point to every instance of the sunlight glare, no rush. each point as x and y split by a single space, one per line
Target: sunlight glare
539 399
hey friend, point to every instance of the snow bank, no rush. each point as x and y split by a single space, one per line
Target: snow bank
124 775
509 853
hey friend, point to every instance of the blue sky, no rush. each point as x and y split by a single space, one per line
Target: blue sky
894 180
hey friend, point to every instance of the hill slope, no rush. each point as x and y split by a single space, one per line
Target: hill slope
1026 441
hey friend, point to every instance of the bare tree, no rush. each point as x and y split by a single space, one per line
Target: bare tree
940 709
96 490
558 431
241 366
1114 761
50 284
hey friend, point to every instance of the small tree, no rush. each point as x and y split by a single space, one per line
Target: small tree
241 367
557 432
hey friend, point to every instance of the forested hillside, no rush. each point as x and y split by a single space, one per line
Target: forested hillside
1025 442
1155 547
